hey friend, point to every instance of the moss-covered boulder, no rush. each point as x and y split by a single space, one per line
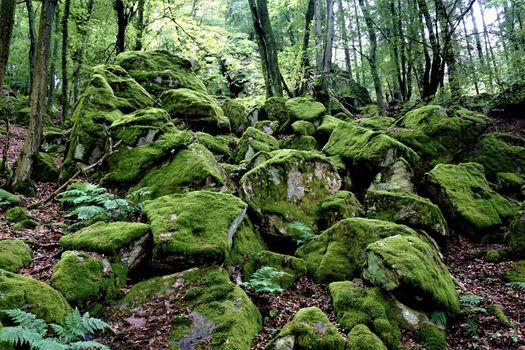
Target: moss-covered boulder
141 127
302 143
408 209
253 141
158 71
396 178
328 124
246 242
28 294
14 254
21 218
294 267
125 239
213 312
362 338
109 94
438 134
195 110
517 231
338 253
220 145
376 123
464 196
367 150
8 199
340 206
274 109
237 113
515 272
193 229
45 169
410 267
82 277
356 305
191 169
309 329
303 128
289 188
304 108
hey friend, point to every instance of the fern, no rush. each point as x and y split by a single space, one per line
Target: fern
519 285
439 318
266 280
299 232
33 332
470 300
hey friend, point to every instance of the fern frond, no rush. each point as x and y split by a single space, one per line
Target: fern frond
87 345
266 280
519 285
87 212
470 299
19 336
27 320
439 318
48 344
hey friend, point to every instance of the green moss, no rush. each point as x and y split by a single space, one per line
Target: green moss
337 253
302 143
303 128
196 109
246 242
220 145
309 329
208 293
517 231
293 266
253 141
411 268
289 187
191 169
496 311
193 229
28 294
274 108
106 238
17 214
237 114
14 254
515 272
142 126
361 338
364 147
304 108
329 124
408 209
432 337
44 168
494 256
356 305
376 123
129 165
8 199
464 195
342 205
81 277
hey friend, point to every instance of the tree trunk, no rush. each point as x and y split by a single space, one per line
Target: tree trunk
267 47
373 57
305 61
52 71
434 78
488 48
122 23
324 97
65 52
33 140
78 55
7 19
360 39
32 40
471 60
140 25
344 34
448 43
318 35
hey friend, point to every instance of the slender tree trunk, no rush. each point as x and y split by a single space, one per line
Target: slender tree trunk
33 140
194 7
360 40
448 45
305 61
65 53
122 23
7 19
78 56
344 34
435 76
471 60
318 35
479 48
52 70
267 47
373 57
140 24
488 48
327 57
32 40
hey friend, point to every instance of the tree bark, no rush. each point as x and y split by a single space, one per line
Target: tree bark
7 19
433 74
372 59
33 140
305 61
360 40
471 60
318 35
122 23
140 24
32 40
344 34
327 57
65 52
78 55
52 71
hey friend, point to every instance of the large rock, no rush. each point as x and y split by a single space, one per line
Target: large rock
304 108
362 338
438 134
337 254
82 277
408 209
356 305
8 199
14 254
209 309
253 141
464 196
340 206
110 93
193 229
237 113
517 231
195 110
158 71
289 188
45 169
191 169
310 329
396 178
410 268
30 295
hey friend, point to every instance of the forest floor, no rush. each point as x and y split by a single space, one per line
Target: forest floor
474 329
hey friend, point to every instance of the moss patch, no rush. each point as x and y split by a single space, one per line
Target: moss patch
293 266
219 145
303 128
253 141
338 253
237 114
411 268
362 338
304 108
8 199
517 231
515 272
432 337
246 242
14 254
193 229
340 206
44 168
